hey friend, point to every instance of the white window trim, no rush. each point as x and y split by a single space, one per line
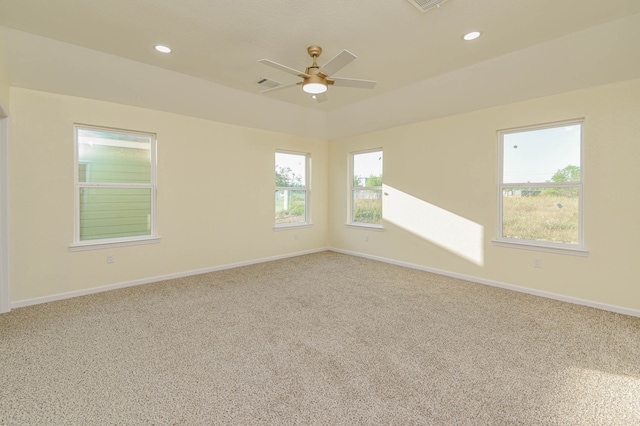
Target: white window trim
365 226
350 223
110 243
307 188
290 226
550 247
153 237
5 304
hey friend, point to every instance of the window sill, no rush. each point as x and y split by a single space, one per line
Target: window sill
540 247
367 226
284 227
102 244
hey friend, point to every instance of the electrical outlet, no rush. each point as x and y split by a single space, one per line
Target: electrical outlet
111 258
366 238
296 236
537 262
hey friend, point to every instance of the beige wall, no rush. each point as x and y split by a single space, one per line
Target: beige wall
215 202
215 195
4 81
447 169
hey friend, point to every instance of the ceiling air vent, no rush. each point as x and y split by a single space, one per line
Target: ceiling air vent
424 5
268 82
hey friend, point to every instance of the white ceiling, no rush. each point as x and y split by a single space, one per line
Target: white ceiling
104 50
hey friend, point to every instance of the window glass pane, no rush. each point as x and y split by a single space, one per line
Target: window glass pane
82 172
114 212
290 206
367 169
113 157
542 155
541 214
367 206
290 170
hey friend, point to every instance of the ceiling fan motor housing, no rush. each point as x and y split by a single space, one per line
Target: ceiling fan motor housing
314 78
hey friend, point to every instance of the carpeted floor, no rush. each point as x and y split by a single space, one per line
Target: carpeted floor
319 339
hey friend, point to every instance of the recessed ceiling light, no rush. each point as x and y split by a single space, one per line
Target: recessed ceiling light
163 49
472 35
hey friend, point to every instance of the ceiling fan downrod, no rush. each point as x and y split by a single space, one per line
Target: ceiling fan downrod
314 52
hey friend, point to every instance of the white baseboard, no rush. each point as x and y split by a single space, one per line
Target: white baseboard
562 298
84 292
548 295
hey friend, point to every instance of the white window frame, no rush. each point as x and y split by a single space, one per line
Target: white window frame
545 246
81 245
351 208
307 188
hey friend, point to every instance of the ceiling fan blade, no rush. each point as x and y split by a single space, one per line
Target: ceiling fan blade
283 68
353 82
321 97
336 63
282 86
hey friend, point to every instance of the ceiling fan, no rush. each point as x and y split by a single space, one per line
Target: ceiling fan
316 79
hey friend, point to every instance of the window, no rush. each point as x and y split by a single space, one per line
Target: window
292 189
540 189
366 188
115 186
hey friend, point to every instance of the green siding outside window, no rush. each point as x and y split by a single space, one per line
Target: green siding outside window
115 183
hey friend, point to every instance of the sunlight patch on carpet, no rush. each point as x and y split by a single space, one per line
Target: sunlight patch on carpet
599 395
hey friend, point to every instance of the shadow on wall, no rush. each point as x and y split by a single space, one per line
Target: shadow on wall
454 233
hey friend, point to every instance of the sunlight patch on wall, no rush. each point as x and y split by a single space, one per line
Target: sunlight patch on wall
454 233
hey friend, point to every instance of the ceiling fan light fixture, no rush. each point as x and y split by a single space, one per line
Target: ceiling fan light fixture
315 83
314 88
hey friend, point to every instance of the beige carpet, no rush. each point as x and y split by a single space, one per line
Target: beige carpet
318 339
